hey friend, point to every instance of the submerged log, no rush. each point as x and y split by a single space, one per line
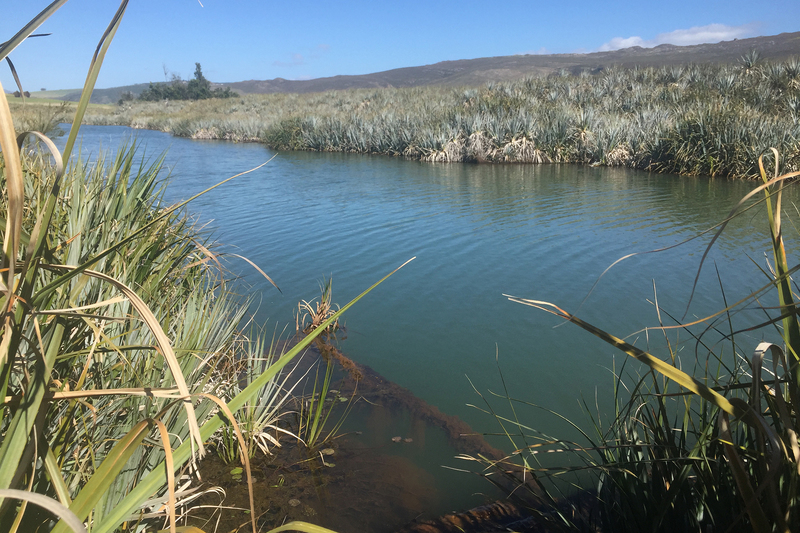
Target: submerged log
499 516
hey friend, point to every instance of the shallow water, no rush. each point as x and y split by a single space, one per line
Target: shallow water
441 325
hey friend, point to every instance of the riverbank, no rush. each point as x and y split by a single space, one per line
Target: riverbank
369 475
711 120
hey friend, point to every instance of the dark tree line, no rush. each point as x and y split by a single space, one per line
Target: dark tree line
198 88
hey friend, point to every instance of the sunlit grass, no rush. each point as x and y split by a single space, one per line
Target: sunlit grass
710 120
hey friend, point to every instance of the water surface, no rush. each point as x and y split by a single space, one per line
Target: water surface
442 325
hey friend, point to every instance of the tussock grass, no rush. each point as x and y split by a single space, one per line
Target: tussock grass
121 353
692 119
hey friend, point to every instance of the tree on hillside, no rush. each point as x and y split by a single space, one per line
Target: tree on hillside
198 88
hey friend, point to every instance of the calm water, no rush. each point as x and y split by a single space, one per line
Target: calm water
477 231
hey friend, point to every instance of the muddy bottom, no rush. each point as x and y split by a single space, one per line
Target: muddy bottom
361 490
381 471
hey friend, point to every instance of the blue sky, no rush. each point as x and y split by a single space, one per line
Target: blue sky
237 40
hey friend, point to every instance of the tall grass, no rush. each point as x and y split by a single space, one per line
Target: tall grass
691 119
120 333
707 444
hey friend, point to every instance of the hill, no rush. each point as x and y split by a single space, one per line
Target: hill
107 96
475 72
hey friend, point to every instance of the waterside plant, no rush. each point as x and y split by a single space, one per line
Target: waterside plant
712 120
119 333
709 449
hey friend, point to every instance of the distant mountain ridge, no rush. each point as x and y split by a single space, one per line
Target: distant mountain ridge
474 72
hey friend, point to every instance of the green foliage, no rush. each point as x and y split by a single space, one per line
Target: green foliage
316 408
119 334
688 119
198 88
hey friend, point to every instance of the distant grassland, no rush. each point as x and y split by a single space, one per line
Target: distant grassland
695 120
53 95
44 115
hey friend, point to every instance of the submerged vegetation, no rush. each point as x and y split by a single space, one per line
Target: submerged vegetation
712 120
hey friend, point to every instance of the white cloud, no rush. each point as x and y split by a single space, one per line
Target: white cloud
711 33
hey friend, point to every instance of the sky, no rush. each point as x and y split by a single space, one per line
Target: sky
236 40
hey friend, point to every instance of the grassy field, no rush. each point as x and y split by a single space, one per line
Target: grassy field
695 120
33 99
53 95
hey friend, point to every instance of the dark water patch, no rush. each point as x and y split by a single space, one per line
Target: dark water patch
380 472
365 491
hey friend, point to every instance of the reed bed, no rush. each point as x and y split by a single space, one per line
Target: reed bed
694 119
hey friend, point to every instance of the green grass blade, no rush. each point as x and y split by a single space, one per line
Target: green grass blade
8 46
112 464
678 376
22 422
759 519
91 77
791 326
155 479
54 474
45 291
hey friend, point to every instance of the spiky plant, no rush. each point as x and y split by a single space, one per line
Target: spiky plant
114 316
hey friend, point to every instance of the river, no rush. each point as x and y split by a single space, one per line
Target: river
441 325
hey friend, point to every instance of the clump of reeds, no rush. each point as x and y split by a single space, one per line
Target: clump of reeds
692 119
120 338
310 315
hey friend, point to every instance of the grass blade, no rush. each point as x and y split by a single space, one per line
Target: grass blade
98 484
8 46
55 507
91 77
164 345
681 378
303 527
150 484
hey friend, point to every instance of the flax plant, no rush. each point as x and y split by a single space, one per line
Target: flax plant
115 313
691 119
315 409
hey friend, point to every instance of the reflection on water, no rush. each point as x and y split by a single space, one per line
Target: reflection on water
478 232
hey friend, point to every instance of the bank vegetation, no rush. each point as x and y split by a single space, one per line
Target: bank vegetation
712 120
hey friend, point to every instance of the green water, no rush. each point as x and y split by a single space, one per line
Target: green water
442 325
